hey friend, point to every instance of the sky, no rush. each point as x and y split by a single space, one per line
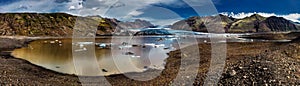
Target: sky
159 12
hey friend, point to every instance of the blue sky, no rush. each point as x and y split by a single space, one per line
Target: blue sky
161 12
282 7
268 6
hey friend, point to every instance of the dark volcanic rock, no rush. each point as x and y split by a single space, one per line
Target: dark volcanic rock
280 24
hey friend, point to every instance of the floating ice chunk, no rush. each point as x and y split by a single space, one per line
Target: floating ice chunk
160 45
102 45
85 43
135 56
81 45
150 44
126 46
52 42
172 39
83 49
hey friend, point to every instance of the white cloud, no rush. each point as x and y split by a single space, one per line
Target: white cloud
156 15
133 14
161 22
29 6
72 8
295 17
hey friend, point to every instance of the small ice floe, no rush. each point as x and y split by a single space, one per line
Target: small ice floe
154 45
172 39
169 36
133 56
52 42
205 41
79 50
160 45
150 44
102 45
125 46
85 43
81 45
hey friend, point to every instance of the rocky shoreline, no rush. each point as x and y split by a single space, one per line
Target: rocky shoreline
258 63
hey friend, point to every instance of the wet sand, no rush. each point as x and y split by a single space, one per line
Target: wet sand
258 63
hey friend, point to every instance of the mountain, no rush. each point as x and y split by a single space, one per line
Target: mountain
61 24
36 24
254 23
122 27
191 24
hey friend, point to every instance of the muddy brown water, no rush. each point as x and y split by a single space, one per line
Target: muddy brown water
57 55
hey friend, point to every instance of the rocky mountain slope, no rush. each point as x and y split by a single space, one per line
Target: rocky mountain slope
60 24
254 23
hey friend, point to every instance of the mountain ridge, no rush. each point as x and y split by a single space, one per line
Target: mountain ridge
61 24
250 24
